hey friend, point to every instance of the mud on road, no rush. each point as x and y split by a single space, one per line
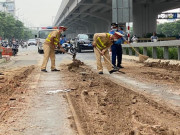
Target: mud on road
159 73
106 108
11 83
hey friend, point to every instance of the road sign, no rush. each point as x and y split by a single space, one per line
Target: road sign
169 16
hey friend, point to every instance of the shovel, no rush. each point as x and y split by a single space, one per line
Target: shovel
73 54
114 67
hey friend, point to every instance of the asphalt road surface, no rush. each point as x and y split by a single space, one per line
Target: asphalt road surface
45 111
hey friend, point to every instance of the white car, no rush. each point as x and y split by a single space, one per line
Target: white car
31 42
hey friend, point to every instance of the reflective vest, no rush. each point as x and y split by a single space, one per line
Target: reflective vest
99 42
56 39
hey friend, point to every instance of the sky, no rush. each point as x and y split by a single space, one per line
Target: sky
37 13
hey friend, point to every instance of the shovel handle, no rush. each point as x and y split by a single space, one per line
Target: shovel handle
105 57
134 49
69 53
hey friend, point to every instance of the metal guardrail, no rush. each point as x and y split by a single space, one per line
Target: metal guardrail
154 45
159 39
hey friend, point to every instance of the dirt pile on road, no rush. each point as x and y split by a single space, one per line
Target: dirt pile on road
106 108
75 64
10 82
153 75
165 65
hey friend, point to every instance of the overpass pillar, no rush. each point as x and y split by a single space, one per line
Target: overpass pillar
144 19
122 11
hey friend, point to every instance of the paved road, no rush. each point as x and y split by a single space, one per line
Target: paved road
160 92
88 57
49 112
46 112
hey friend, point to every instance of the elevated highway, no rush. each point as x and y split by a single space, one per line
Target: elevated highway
91 16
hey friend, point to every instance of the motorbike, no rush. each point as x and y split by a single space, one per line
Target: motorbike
68 46
4 44
15 47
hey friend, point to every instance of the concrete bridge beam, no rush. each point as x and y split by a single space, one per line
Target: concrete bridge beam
145 14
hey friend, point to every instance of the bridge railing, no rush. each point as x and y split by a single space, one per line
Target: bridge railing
165 44
159 39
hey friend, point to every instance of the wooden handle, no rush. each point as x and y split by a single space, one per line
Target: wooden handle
134 49
105 58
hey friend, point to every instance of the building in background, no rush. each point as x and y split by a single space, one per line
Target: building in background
7 6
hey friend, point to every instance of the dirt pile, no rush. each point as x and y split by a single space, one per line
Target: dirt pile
163 76
105 108
75 64
10 82
165 65
142 58
153 75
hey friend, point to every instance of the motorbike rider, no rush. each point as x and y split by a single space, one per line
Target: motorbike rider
15 47
62 42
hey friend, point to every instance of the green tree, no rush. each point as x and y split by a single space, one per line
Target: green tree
19 30
169 29
10 27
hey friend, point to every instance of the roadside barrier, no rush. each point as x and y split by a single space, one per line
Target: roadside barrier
4 52
7 51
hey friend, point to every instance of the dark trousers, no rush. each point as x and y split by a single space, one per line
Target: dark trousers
116 52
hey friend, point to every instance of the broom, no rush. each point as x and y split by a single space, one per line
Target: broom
142 58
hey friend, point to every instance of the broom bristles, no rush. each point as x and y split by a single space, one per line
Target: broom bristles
142 58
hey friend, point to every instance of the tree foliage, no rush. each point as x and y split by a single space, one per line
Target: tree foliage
169 29
13 28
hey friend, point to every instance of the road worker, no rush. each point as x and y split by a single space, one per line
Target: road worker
102 42
51 42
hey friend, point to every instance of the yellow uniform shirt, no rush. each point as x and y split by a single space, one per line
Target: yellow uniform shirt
102 40
54 34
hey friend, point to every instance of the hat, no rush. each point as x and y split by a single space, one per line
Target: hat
63 28
118 34
114 25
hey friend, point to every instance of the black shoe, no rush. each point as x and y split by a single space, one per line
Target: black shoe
114 70
55 69
120 66
1 74
101 72
43 70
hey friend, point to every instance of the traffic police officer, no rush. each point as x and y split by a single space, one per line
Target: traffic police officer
102 42
51 42
116 48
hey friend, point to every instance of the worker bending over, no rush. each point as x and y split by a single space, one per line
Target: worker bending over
102 42
51 42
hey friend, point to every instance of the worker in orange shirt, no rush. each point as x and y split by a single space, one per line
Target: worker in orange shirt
51 42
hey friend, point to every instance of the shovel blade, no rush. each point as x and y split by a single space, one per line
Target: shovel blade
116 68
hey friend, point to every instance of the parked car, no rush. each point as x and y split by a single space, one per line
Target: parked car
31 42
83 42
90 36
